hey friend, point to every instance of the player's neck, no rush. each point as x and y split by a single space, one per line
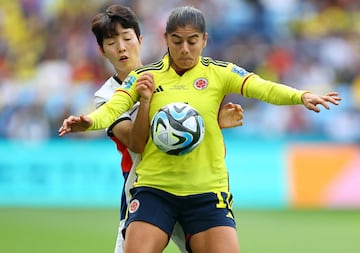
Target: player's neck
121 74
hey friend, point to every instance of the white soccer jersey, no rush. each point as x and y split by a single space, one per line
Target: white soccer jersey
129 159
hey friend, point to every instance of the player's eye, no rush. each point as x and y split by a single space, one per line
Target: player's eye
109 42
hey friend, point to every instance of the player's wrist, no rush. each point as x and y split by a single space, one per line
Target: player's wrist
144 100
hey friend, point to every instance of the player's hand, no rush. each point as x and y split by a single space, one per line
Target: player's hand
231 115
145 86
75 124
311 100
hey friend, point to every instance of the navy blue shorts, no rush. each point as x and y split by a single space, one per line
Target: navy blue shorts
195 213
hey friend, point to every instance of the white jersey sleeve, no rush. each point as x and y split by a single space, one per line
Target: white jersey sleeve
106 91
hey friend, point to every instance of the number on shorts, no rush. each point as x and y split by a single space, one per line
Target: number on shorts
225 200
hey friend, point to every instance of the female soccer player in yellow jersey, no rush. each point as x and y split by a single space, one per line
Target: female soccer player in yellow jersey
192 189
117 32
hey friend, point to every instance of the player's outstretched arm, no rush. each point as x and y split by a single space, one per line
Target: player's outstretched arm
311 100
230 115
75 124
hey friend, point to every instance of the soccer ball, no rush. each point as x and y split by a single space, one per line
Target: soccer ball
177 129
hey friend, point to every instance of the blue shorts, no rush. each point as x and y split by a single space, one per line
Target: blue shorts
195 213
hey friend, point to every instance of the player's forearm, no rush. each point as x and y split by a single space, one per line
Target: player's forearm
140 128
272 92
105 115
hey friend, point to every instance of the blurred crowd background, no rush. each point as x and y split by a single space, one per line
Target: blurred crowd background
50 66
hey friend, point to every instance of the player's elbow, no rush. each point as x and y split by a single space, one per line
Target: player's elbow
137 147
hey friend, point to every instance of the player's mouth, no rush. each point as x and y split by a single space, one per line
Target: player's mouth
186 61
186 58
123 58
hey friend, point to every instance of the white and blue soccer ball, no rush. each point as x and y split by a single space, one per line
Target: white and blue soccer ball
177 128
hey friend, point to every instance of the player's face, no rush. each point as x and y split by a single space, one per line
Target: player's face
185 45
123 50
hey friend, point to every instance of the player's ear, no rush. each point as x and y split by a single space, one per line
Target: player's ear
140 39
165 37
206 36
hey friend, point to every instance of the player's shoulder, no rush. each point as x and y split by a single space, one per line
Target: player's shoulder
109 86
155 66
210 62
105 92
224 67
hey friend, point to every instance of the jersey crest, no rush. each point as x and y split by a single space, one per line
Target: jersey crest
201 83
134 205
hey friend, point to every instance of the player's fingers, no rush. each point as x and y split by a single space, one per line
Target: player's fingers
66 126
332 99
141 88
312 107
324 104
324 100
144 83
239 122
228 106
147 73
333 94
240 116
146 77
239 108
62 131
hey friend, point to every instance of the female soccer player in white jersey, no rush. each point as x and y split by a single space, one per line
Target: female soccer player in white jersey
192 189
119 39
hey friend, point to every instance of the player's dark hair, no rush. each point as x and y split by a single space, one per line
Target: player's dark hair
104 23
183 16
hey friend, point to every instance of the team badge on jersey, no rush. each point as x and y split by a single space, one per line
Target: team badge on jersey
134 206
128 82
240 71
200 83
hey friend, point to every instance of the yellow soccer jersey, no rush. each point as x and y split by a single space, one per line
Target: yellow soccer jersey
203 87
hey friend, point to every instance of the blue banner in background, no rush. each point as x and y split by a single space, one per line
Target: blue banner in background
258 172
87 173
60 173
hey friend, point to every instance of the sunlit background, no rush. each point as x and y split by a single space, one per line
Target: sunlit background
283 158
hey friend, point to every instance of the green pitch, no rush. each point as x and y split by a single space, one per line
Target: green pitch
94 230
